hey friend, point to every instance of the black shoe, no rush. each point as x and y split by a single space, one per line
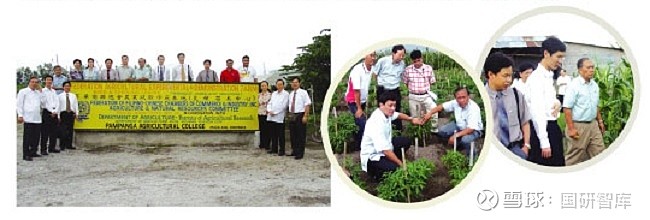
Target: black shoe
72 148
269 152
44 153
56 151
62 149
28 158
280 154
35 155
290 155
297 158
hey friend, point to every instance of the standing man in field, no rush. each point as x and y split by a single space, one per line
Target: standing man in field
276 110
299 103
357 94
546 136
389 71
49 118
68 111
419 77
512 128
28 107
584 122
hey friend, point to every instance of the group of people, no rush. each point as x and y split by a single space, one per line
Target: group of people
380 152
526 112
181 72
48 114
273 107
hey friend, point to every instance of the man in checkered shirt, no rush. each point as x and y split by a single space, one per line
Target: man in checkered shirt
418 77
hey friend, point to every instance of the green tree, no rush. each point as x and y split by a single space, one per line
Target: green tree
314 64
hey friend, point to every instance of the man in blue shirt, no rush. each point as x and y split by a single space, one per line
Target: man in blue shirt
389 71
581 108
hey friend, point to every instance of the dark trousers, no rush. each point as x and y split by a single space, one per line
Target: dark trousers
398 105
65 127
31 135
377 169
298 134
360 122
277 137
48 132
554 138
265 136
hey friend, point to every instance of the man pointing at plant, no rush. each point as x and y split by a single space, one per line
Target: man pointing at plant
580 109
380 152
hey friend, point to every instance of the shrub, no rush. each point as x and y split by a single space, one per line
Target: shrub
341 129
616 95
457 166
406 186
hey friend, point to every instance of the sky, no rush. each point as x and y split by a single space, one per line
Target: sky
157 30
567 27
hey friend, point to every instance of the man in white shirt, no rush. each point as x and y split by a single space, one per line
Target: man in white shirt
299 103
246 72
546 136
380 152
28 107
467 126
276 110
124 72
182 72
161 72
68 111
357 94
49 118
143 72
389 71
108 74
561 84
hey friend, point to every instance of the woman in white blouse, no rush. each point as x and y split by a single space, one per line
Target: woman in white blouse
520 84
263 99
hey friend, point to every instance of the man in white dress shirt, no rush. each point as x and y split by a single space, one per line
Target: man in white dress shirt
28 107
546 136
276 110
161 72
246 72
380 152
49 118
357 94
68 111
182 72
467 126
299 103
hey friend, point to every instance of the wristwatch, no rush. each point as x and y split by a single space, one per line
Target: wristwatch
527 145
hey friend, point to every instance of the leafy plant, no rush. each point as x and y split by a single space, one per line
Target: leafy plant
402 186
341 129
457 166
355 172
616 96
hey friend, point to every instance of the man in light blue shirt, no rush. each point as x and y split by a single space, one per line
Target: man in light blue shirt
143 72
467 126
58 79
389 71
581 108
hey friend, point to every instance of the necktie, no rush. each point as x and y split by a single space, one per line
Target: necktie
108 74
67 103
160 70
293 103
182 72
207 76
504 136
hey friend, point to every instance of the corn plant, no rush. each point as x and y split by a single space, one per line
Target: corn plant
457 166
400 185
616 95
341 129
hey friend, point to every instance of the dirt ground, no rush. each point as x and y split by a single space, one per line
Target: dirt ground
438 184
174 176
